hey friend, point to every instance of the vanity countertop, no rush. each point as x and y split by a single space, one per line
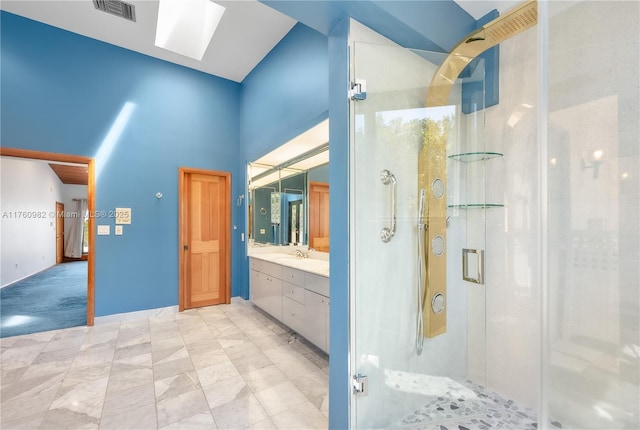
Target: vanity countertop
318 266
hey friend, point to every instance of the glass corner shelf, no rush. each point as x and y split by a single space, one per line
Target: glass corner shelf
476 206
470 157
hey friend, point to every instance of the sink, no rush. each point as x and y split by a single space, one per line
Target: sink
312 265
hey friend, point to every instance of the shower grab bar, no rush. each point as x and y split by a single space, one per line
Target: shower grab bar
422 231
388 178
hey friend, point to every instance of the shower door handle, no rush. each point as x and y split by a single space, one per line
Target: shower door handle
478 266
388 178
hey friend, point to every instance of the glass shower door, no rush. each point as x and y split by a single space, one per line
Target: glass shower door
417 242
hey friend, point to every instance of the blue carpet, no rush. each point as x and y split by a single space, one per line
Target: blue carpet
52 299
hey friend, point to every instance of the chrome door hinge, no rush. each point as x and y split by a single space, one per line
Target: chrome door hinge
358 90
360 385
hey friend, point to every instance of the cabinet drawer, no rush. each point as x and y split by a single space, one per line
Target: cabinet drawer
293 292
265 267
293 276
293 314
316 283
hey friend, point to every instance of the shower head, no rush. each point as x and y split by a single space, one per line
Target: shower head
491 34
421 217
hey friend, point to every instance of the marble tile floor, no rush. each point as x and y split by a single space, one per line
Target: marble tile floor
219 367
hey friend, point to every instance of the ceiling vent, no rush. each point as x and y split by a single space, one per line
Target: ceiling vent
117 8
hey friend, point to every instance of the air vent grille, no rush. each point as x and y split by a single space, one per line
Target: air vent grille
117 8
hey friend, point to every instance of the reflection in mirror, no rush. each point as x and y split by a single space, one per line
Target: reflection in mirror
319 216
283 199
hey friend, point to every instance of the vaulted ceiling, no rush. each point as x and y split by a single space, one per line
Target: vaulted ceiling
247 32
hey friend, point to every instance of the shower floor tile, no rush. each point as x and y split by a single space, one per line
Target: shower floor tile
484 410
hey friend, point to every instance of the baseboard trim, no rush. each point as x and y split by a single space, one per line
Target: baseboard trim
157 312
130 316
28 276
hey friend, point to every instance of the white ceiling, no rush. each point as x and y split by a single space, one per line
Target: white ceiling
247 32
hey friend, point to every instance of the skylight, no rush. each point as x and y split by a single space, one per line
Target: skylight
187 26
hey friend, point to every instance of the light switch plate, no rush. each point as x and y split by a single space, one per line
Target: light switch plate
118 231
104 230
123 215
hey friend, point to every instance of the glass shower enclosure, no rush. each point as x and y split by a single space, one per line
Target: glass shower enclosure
494 252
418 240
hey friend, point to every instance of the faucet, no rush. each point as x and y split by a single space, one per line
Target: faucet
301 254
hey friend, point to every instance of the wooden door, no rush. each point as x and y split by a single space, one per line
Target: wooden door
204 238
59 232
319 216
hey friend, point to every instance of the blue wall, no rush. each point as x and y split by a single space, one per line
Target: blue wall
410 23
319 174
285 95
339 382
63 93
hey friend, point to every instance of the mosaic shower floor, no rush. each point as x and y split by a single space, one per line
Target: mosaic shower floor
474 409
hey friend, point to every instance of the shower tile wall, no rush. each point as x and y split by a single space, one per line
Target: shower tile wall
512 266
594 214
593 368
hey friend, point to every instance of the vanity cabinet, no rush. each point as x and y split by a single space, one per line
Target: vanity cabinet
265 290
297 298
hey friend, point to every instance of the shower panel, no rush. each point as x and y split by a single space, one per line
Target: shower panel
491 34
432 232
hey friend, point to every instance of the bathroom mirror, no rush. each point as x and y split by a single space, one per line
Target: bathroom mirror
288 193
